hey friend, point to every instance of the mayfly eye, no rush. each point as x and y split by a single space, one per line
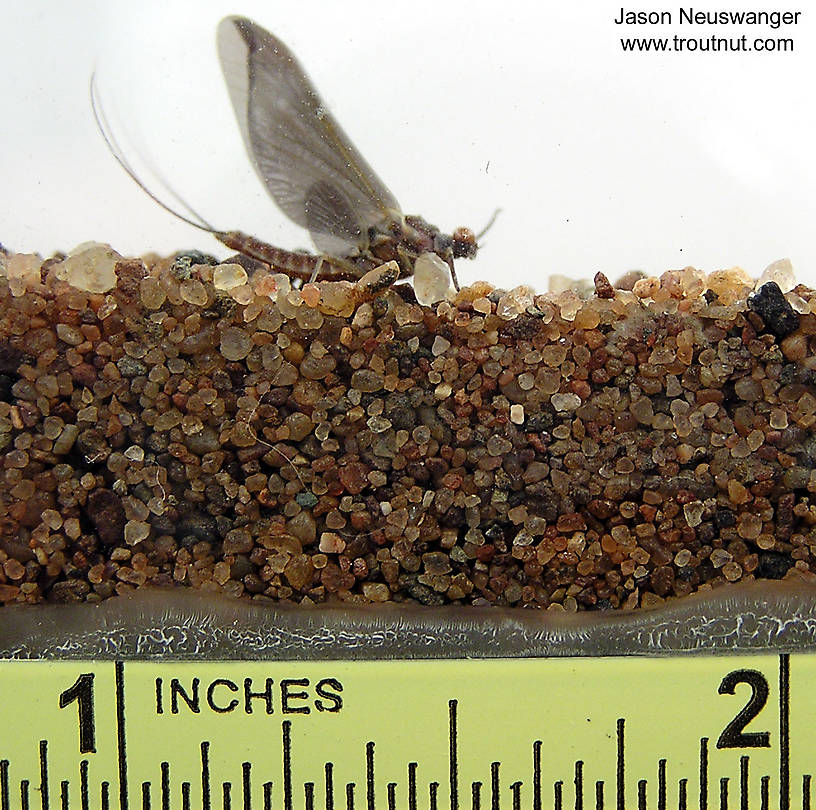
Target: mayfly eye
464 243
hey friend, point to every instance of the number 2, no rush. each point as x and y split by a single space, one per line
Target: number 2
733 735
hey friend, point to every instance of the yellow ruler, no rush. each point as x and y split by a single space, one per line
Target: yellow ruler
701 732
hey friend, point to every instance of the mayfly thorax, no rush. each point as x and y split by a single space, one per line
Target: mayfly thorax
311 169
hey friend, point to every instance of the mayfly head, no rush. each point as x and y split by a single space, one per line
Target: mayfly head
464 244
311 169
461 244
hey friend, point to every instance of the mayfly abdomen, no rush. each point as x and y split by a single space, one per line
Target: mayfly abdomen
303 266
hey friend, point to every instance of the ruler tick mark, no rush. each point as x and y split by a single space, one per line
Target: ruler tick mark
579 785
494 785
661 784
412 786
286 743
515 789
4 785
121 742
328 770
537 775
784 732
621 769
453 754
44 774
205 775
83 784
246 784
723 793
165 785
369 758
743 782
704 773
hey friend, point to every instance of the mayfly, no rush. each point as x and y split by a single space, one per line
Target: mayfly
311 169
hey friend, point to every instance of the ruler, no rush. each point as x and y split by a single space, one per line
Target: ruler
703 732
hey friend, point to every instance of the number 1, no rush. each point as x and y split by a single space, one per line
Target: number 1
82 693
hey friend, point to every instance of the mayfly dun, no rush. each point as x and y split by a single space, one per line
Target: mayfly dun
311 169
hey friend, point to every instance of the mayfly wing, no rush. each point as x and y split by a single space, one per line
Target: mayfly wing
308 164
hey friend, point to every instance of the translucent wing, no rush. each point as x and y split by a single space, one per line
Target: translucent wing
308 164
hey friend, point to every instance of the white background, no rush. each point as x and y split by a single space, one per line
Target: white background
600 160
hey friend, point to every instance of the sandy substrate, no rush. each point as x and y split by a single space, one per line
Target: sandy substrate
169 422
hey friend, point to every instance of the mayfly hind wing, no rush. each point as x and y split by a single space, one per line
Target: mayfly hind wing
302 155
